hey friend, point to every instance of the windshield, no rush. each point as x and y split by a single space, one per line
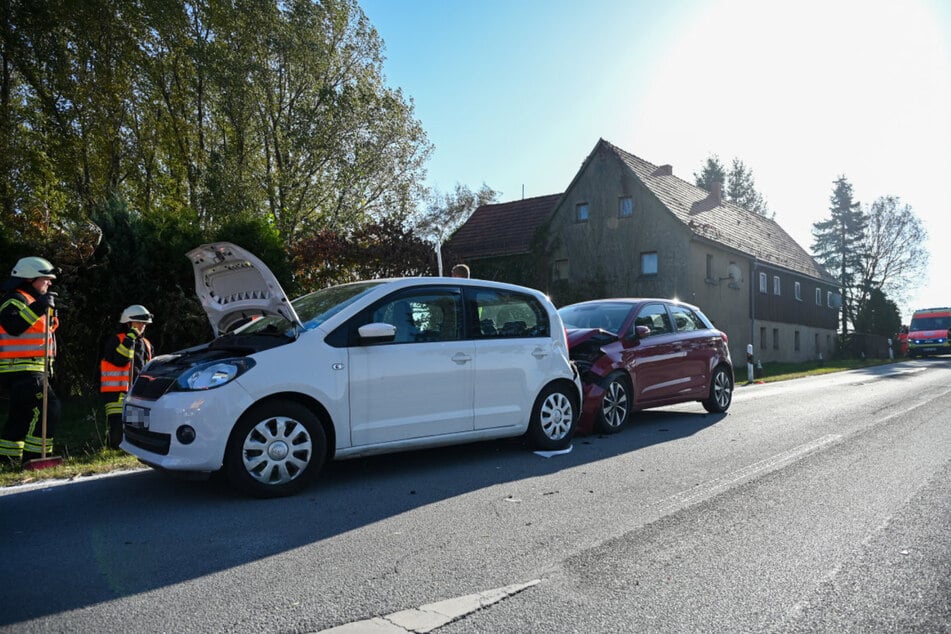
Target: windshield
608 317
931 323
314 308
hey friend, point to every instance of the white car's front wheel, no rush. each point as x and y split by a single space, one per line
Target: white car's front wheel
275 449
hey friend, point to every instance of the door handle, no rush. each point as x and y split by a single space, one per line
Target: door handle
460 358
539 353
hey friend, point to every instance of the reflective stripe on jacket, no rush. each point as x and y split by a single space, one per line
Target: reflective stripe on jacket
116 378
26 351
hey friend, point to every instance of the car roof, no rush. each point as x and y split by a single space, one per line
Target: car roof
393 283
632 301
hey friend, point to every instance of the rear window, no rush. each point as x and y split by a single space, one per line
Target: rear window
507 314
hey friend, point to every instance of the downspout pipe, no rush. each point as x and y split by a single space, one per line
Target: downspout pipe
753 281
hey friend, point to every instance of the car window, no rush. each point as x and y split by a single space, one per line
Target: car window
654 316
430 315
501 314
607 316
685 319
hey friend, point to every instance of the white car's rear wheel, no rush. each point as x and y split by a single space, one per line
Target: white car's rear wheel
553 418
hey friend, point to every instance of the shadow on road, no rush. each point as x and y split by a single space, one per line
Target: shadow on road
72 546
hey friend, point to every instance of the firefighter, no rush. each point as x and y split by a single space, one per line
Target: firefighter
124 354
27 349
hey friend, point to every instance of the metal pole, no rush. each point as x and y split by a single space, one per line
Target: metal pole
46 377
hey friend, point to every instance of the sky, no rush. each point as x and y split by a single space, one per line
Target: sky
514 94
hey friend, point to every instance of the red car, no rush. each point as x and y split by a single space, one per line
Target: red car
639 353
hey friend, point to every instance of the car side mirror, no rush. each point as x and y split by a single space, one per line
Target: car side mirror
640 332
377 332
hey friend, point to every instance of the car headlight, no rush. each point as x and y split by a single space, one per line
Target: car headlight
206 376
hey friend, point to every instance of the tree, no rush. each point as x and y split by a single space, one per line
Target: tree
446 212
741 189
877 315
737 184
838 244
383 249
894 258
203 109
711 172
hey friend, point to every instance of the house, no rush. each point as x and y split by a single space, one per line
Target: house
500 241
628 228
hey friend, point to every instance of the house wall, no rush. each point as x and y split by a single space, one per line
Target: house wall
775 341
725 300
785 306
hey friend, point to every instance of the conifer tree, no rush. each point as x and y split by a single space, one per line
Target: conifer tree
838 244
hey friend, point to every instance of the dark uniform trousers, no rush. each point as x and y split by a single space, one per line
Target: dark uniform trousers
23 432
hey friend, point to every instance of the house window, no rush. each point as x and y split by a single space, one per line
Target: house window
829 299
817 343
561 270
776 290
762 282
649 263
818 297
581 212
775 338
762 338
796 341
798 289
709 267
625 207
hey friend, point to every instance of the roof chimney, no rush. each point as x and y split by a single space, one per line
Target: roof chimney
664 170
716 197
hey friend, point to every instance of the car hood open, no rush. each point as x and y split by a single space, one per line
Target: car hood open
235 286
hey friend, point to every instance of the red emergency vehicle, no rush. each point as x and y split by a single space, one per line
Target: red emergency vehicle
929 333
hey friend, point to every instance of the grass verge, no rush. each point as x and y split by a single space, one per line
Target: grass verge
784 371
80 441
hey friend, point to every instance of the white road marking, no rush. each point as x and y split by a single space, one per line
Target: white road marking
431 616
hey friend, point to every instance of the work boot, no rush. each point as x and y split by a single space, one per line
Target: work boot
115 435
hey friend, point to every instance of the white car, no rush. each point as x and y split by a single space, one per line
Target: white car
351 370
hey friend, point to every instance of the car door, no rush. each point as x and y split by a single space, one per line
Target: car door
698 343
513 355
656 357
420 384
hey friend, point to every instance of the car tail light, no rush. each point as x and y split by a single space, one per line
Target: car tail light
725 338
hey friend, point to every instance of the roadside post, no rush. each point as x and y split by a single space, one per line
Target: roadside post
891 351
749 363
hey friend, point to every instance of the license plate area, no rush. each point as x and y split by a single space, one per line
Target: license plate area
135 416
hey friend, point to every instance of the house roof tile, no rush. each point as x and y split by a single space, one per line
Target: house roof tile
502 228
721 221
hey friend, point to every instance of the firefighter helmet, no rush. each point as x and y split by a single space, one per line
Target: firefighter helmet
32 268
136 312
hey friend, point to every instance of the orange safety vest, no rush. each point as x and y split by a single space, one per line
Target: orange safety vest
28 350
115 378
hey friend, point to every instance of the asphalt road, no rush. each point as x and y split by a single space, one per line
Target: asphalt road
818 504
